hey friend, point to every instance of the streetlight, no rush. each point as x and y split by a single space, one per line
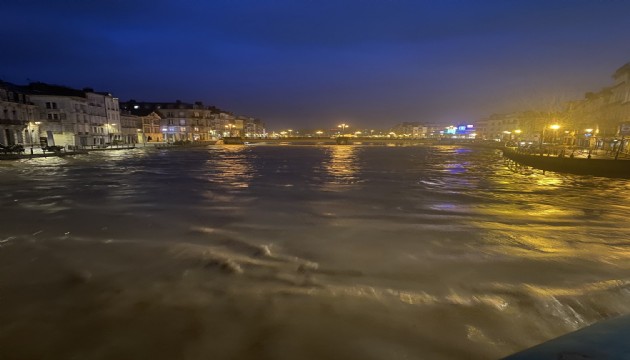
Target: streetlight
290 132
517 137
319 133
343 128
555 128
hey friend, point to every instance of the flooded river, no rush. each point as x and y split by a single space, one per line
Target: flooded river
303 252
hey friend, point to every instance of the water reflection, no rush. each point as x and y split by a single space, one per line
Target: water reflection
231 166
342 165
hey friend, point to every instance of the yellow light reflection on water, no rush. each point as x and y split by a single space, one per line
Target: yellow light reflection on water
233 167
343 163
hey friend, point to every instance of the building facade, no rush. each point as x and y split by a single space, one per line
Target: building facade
18 117
75 118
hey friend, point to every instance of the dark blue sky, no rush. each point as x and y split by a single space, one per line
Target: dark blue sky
317 63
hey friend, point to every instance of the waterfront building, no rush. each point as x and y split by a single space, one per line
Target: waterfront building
75 118
600 118
147 124
105 112
413 130
522 125
253 127
179 121
18 117
131 129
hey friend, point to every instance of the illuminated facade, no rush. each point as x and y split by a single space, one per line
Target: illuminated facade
595 121
414 130
179 121
75 118
599 117
192 122
18 124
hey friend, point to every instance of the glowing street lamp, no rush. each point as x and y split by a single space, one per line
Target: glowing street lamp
517 133
555 128
319 133
343 128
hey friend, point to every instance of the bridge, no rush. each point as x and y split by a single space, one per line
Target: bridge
340 141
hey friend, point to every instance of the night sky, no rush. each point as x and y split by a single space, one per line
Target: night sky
315 64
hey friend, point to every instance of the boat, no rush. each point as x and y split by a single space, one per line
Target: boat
580 166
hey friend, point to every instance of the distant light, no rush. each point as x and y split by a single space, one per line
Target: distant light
136 107
470 126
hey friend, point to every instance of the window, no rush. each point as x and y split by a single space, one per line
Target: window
183 129
182 122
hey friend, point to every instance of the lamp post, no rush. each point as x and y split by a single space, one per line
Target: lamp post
555 128
32 133
319 133
343 128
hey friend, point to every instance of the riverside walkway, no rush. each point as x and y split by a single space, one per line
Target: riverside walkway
596 163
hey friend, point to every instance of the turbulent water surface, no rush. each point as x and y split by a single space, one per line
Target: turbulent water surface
302 252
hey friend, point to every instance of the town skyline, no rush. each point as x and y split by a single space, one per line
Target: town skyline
305 63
